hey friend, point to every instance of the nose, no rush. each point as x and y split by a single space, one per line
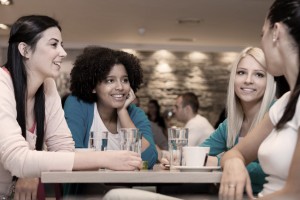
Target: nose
119 85
249 79
62 52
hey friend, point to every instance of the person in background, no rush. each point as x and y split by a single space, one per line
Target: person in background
103 82
251 91
154 115
34 136
275 140
159 137
186 111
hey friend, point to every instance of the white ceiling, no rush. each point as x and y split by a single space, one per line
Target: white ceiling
226 25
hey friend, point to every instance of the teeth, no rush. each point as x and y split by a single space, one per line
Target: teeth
248 89
118 95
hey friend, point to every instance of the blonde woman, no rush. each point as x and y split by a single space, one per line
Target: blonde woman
251 91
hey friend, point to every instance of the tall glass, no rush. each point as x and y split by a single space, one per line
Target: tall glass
177 139
92 141
104 140
130 139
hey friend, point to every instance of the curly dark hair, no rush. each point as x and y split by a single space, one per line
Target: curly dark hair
93 66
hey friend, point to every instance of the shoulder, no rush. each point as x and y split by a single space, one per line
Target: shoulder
5 77
74 102
134 110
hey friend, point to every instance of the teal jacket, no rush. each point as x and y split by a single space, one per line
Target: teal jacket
80 114
217 143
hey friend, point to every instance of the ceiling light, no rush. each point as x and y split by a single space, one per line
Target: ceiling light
6 2
189 21
4 26
181 39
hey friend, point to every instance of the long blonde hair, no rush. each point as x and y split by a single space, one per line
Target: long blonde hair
235 112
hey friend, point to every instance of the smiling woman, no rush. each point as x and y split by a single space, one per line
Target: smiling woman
103 82
251 92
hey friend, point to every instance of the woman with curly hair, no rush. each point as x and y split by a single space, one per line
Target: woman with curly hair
103 82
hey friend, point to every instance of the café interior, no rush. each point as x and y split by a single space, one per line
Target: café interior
182 45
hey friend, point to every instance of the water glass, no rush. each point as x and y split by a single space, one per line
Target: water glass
130 139
177 139
92 141
104 140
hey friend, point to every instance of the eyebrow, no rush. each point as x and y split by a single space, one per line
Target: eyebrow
54 39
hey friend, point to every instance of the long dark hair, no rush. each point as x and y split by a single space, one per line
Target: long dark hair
288 12
27 29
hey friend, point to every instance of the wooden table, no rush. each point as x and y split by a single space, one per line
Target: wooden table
150 176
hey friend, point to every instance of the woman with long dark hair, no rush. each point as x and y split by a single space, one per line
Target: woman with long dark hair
34 135
275 141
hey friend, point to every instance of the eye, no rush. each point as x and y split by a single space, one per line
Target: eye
125 80
54 44
240 72
109 80
260 75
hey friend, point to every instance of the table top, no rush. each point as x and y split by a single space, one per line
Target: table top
143 176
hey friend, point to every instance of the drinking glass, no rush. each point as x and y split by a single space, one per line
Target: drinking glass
92 141
130 139
104 140
177 139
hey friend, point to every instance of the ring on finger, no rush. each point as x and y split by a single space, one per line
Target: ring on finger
231 186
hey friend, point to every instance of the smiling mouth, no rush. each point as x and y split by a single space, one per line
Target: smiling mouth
57 64
248 90
118 96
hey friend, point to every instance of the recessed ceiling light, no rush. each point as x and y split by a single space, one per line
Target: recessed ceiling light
189 21
181 39
6 2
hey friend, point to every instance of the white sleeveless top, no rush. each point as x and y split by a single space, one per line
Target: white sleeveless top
276 152
98 126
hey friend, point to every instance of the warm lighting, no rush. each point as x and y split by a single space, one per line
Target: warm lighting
163 55
198 56
6 2
228 57
163 67
4 27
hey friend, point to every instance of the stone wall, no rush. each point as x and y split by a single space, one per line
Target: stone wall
167 74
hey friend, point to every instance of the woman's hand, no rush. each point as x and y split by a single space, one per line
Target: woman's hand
26 189
123 160
129 99
212 161
165 160
234 179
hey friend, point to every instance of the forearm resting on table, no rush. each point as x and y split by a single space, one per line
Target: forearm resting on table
84 161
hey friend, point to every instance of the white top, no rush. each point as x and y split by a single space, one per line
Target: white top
199 129
276 152
98 126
